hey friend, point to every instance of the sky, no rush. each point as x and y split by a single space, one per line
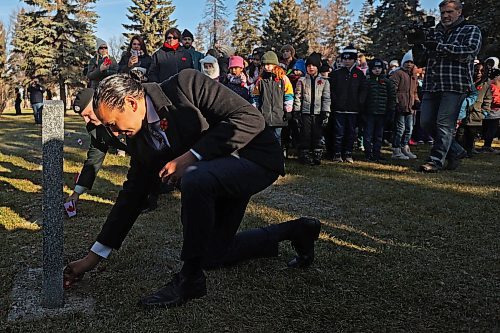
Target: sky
188 13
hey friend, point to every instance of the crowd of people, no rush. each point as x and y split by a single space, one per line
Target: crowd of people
316 107
216 127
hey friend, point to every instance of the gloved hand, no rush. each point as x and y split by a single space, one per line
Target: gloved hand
431 45
324 118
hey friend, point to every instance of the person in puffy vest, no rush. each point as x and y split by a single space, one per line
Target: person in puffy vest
312 109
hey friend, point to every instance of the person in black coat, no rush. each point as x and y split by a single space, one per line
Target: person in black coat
170 59
135 58
198 134
101 140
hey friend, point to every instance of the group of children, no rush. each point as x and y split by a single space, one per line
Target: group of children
312 107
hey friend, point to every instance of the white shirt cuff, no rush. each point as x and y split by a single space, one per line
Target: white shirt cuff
101 250
80 189
198 156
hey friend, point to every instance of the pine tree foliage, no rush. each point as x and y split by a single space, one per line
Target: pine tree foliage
336 22
56 39
283 26
150 19
362 26
484 14
246 26
3 58
389 22
216 24
311 21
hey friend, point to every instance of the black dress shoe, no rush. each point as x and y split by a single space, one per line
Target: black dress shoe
176 292
306 233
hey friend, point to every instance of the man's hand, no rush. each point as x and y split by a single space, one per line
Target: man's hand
74 271
431 45
73 197
173 171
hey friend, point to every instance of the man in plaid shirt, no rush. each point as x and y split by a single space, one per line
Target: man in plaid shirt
448 77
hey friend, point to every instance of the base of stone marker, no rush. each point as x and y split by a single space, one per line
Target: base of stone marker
26 297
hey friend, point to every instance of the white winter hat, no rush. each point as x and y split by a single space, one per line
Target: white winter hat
212 73
99 42
495 61
407 57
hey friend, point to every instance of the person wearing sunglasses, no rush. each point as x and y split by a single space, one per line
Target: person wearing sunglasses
101 65
170 59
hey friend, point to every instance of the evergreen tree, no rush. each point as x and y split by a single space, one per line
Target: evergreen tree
484 14
389 22
3 58
151 19
361 28
311 20
246 26
336 23
216 23
55 39
282 27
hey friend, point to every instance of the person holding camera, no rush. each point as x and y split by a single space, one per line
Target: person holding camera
101 65
451 52
35 91
135 58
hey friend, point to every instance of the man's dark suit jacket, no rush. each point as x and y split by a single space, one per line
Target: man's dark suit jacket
202 115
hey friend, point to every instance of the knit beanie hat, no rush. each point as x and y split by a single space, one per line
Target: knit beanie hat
300 65
227 50
407 57
376 63
314 59
394 63
270 58
324 68
236 61
349 52
187 33
288 47
83 99
99 42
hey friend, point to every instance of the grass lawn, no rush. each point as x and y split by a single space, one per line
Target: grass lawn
400 251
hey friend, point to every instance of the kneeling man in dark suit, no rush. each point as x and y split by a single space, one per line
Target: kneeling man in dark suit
194 132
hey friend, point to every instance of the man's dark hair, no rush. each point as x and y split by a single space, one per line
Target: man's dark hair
174 32
457 3
112 91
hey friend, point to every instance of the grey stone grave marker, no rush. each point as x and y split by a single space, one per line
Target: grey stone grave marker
52 204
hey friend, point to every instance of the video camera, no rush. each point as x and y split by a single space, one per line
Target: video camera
420 33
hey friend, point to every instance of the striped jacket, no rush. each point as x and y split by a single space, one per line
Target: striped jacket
450 69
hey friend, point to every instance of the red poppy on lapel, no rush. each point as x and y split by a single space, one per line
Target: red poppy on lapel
183 58
480 87
320 82
164 124
354 75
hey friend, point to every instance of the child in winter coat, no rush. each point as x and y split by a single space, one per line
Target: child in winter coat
273 94
312 109
236 79
381 99
348 90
